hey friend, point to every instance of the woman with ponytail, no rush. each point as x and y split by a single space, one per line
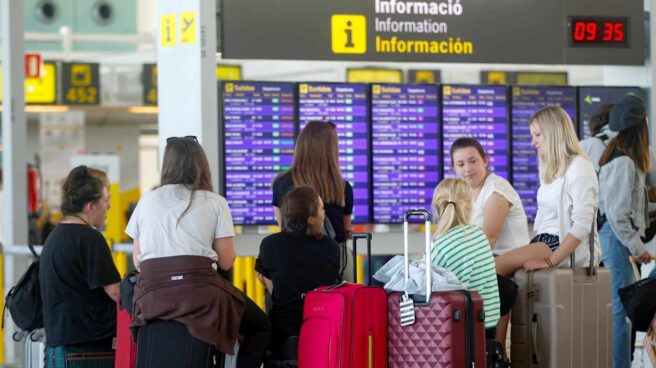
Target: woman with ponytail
463 248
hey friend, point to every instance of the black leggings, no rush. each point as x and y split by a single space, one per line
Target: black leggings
256 330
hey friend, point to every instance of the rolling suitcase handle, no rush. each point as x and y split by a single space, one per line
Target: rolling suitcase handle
355 237
406 258
591 268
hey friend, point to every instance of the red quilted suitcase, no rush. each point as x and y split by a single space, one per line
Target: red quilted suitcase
448 328
126 349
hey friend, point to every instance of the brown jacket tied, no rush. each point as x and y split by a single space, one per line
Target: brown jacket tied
188 290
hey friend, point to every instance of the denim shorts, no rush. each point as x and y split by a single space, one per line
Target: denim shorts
552 241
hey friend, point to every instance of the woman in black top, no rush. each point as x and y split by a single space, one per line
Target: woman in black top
78 279
316 164
296 260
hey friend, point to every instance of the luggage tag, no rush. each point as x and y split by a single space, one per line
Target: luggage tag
407 310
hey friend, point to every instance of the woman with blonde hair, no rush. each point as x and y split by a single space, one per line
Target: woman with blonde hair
567 199
316 164
463 248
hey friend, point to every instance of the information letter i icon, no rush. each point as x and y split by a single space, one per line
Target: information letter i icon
349 34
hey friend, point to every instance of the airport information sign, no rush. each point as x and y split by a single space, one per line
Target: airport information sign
347 106
258 140
601 32
525 101
405 142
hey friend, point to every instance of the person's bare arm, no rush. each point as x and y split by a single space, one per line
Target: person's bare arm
268 284
348 227
112 290
226 251
494 215
136 251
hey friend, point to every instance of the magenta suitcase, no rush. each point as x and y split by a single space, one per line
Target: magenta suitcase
449 327
344 326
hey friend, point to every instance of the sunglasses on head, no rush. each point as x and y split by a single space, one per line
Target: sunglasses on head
186 138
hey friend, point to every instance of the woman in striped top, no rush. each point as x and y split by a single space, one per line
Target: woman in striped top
463 248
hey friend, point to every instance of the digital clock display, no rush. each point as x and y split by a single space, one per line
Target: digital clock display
599 31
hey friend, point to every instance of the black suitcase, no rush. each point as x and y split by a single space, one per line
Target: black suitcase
168 344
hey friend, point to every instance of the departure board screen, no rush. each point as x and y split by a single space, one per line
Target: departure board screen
479 112
345 105
258 133
592 99
406 155
525 102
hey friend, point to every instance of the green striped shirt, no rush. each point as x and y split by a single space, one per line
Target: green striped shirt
465 251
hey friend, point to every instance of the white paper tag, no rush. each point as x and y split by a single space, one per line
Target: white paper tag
407 310
176 278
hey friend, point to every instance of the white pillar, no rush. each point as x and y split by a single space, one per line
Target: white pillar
14 132
187 84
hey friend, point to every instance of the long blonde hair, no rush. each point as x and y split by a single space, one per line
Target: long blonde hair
452 204
561 142
316 162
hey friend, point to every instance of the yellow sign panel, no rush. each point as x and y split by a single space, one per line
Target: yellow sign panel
303 88
228 72
374 75
168 30
40 90
542 78
187 28
348 34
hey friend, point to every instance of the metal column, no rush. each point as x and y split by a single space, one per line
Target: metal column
14 132
187 84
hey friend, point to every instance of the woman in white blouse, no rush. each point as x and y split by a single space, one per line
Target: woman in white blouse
567 199
497 210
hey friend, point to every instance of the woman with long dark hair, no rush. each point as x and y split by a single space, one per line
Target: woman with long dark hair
623 206
78 279
316 164
182 232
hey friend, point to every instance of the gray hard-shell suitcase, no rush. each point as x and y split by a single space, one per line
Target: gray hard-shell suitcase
563 318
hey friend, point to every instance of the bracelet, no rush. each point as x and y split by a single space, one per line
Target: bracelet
551 265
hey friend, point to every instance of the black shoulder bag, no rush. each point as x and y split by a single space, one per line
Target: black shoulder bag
24 299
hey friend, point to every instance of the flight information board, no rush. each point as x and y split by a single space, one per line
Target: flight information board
479 112
592 99
405 142
258 137
345 105
525 102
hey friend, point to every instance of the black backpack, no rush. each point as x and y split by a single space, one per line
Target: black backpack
24 299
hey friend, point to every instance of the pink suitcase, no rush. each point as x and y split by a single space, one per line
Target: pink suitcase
344 326
449 327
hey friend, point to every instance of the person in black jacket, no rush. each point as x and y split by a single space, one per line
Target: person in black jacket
295 261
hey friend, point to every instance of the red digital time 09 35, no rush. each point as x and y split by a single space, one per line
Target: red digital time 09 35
598 31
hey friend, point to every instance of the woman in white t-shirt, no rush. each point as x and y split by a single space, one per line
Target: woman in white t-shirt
567 199
497 210
182 231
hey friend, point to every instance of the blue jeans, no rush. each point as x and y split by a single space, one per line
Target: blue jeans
616 258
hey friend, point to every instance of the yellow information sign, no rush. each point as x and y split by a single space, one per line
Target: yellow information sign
228 72
168 30
188 28
541 78
349 34
40 90
372 75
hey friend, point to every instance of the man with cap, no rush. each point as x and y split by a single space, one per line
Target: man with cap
623 205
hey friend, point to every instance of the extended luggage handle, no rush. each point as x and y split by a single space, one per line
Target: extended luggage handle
406 257
591 267
355 237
